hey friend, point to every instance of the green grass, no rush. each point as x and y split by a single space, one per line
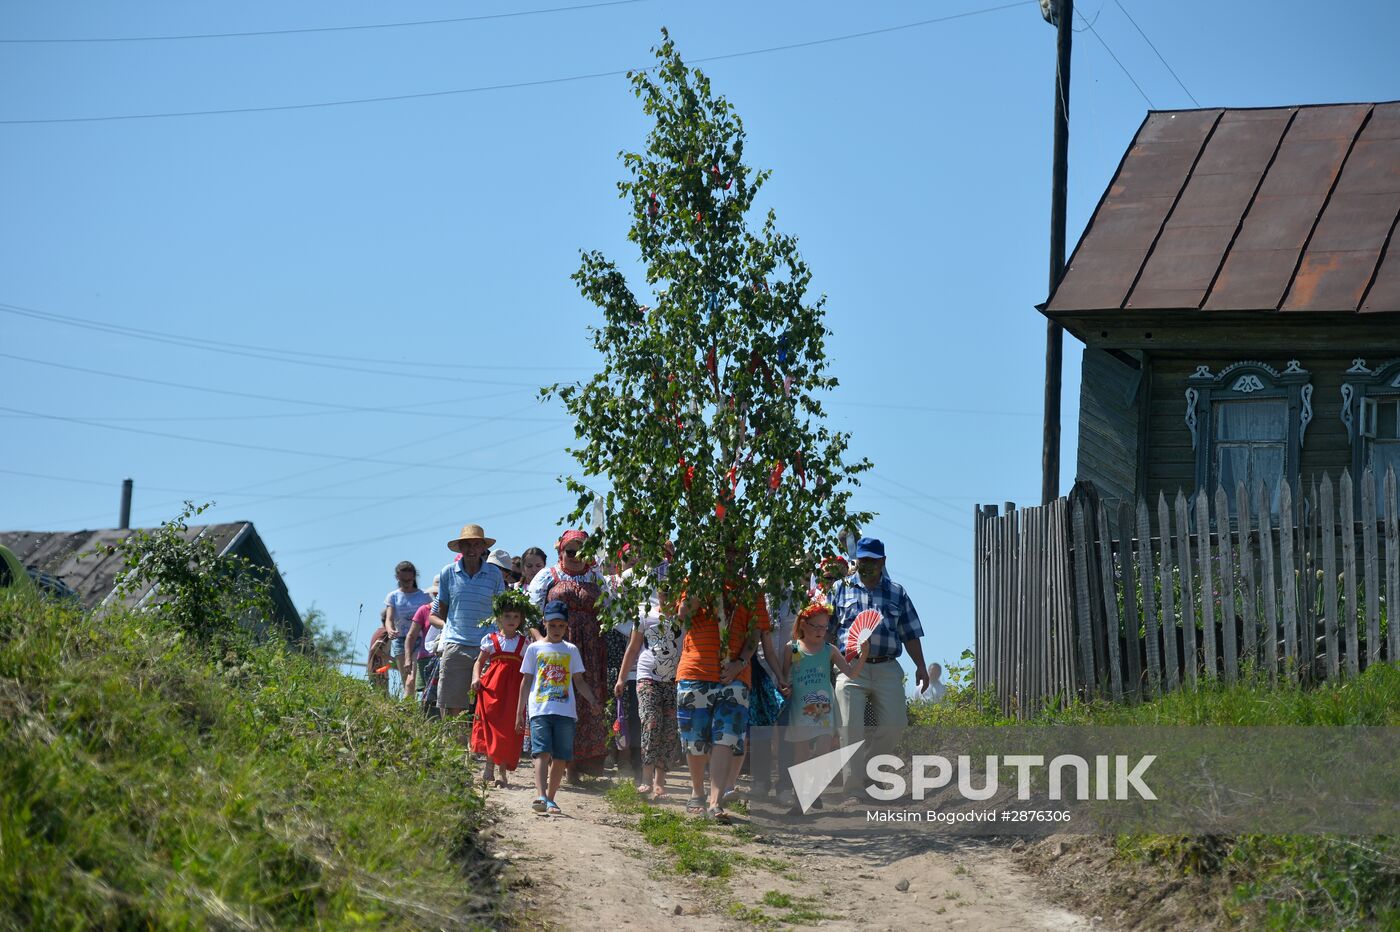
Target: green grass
1280 882
146 785
692 849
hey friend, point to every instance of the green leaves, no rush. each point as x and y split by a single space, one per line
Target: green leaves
709 381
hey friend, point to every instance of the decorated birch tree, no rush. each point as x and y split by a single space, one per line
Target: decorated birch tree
705 417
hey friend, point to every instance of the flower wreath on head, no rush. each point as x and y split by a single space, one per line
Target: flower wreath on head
514 600
816 604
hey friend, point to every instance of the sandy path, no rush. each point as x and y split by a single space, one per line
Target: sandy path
592 868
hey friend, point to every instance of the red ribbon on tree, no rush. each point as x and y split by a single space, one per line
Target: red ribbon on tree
775 478
710 362
719 510
687 474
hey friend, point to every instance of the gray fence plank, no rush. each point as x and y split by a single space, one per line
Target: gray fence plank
1207 584
1168 583
1131 638
1348 531
1188 590
1226 584
1084 615
1149 600
1268 654
1110 605
1249 625
1327 520
1371 560
1288 570
1309 639
979 605
1392 562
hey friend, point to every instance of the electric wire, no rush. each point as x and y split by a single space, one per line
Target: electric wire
1160 58
290 32
107 326
513 85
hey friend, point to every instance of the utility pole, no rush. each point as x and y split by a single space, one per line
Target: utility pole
1060 13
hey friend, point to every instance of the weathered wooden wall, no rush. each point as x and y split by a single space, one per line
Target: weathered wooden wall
1171 460
1110 399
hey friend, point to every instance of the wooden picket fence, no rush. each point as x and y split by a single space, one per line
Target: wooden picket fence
1081 598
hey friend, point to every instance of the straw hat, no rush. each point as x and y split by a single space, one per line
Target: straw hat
470 532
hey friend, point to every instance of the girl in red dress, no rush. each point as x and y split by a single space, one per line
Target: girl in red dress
496 680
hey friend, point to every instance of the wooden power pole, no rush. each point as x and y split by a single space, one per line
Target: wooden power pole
1062 16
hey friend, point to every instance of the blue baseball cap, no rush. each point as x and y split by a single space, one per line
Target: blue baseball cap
870 547
556 609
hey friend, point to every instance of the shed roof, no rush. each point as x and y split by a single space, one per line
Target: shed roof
88 563
1289 209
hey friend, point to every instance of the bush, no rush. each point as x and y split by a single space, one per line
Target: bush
144 784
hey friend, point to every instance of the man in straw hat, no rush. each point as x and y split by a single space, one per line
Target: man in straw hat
462 606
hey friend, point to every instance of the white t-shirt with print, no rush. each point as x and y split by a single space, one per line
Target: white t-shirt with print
553 667
662 653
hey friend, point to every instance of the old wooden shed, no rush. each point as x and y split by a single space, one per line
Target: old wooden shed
88 563
1238 295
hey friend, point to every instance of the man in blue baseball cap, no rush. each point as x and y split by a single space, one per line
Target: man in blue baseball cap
869 600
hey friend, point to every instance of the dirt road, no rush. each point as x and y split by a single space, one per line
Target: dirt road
592 868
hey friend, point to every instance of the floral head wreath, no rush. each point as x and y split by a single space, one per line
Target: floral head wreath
816 605
515 600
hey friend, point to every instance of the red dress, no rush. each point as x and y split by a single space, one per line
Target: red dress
493 731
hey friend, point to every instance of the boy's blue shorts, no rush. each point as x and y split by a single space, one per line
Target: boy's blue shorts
552 735
397 646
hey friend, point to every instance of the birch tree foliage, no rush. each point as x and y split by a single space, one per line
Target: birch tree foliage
704 418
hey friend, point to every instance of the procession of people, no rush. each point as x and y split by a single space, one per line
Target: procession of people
518 649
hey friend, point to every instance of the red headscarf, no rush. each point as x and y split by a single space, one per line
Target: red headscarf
568 538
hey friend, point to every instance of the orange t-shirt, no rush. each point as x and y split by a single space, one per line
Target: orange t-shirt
700 649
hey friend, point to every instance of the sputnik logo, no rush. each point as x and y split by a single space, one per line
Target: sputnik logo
811 778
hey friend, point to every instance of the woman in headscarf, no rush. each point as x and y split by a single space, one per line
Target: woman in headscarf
578 584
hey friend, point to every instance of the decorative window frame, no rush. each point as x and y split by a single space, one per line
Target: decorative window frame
1365 384
1247 379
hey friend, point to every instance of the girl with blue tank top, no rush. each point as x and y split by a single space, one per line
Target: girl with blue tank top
809 661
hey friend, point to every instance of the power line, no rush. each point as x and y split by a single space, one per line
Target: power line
288 32
1157 53
195 343
1120 64
334 406
124 329
258 447
485 88
928 409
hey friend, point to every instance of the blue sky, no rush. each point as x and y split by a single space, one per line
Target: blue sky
415 254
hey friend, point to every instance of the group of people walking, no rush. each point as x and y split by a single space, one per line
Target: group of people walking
519 646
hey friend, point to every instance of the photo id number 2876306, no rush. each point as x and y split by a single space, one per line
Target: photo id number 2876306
1035 815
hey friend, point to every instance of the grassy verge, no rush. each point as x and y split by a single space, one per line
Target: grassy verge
145 784
1279 882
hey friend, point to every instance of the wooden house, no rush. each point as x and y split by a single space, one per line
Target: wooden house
1238 295
88 564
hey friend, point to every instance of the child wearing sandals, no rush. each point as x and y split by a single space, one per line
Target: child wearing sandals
496 684
551 674
807 668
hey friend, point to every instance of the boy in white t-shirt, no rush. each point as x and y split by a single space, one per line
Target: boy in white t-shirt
551 672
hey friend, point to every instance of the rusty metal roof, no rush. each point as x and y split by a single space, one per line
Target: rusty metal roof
1284 209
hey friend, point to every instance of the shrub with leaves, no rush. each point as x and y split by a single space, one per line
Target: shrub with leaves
186 582
705 418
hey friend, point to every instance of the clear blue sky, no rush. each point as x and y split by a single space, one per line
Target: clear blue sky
428 243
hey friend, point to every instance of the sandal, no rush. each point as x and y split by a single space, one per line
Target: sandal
719 816
552 808
540 804
644 789
501 784
695 806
